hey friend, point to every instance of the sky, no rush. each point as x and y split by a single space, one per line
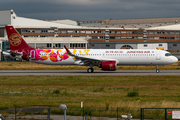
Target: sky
92 9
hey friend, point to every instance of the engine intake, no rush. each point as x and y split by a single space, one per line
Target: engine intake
108 65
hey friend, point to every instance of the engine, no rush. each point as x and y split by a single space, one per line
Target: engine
108 65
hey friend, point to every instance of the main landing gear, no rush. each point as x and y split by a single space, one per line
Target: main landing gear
157 69
90 70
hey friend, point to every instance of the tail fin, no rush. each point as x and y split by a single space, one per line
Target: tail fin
15 40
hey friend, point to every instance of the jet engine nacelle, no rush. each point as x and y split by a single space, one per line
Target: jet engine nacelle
108 65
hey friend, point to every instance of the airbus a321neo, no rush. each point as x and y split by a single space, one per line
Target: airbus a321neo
107 59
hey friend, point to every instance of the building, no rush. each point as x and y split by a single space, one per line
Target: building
144 33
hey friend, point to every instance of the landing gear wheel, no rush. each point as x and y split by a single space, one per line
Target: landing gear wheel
90 70
157 70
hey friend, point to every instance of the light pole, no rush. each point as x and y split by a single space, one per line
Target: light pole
1 117
64 107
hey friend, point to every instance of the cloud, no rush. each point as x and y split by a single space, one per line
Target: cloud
92 9
82 2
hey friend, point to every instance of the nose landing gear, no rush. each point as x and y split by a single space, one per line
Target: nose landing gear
157 69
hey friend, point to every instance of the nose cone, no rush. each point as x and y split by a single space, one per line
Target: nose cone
174 60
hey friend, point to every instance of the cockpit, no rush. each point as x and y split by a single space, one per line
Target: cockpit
168 54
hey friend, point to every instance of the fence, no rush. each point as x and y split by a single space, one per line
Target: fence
48 112
157 113
115 113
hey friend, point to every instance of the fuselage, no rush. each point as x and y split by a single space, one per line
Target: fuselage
121 56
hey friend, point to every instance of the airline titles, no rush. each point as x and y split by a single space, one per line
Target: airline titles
128 51
138 51
113 51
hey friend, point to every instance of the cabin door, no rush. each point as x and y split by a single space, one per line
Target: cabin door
158 55
103 54
32 54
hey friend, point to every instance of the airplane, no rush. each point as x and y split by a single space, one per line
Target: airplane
106 59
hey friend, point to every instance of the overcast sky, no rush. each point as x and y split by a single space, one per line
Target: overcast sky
92 9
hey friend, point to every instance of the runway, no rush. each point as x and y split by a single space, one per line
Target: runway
84 72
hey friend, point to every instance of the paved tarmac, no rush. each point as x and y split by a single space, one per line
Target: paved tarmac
84 72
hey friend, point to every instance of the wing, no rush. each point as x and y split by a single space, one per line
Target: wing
86 60
82 59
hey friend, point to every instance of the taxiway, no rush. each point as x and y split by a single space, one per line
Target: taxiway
84 72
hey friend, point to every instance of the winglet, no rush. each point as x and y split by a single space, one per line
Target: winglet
69 53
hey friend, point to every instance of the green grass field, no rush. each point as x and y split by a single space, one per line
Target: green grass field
129 93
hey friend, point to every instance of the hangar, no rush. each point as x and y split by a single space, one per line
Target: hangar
146 33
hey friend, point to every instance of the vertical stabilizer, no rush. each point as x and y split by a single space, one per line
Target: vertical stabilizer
15 40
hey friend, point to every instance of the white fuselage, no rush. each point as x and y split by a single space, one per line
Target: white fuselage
121 56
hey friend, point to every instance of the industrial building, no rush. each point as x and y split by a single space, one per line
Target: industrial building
146 33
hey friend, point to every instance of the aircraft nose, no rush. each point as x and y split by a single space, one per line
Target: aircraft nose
174 60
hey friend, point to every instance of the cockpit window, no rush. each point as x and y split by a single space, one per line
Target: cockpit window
168 54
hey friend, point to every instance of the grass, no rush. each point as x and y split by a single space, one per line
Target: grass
101 92
18 65
101 95
133 94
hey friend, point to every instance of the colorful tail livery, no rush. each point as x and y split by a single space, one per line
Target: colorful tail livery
19 48
15 40
107 59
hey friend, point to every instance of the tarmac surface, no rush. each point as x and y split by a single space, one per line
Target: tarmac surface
84 72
